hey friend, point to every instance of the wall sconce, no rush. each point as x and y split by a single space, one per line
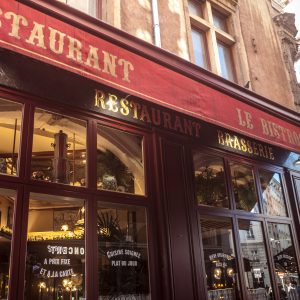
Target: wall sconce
297 162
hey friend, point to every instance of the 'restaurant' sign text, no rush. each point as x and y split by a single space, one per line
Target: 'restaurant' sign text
136 111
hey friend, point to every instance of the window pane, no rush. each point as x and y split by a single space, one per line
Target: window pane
86 6
199 46
273 200
195 8
120 165
59 148
10 126
55 263
7 202
287 274
123 252
257 275
225 62
210 180
219 255
219 20
244 187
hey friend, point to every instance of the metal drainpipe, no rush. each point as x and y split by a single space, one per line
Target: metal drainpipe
156 27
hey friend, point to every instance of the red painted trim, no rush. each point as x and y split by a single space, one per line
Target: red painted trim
159 55
176 91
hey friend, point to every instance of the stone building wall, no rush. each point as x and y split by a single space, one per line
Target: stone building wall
268 72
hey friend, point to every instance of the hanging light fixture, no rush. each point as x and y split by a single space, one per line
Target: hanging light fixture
297 162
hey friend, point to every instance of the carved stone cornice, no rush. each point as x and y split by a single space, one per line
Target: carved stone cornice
287 22
287 31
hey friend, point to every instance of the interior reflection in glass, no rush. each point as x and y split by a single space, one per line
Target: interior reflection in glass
210 180
283 251
273 200
219 256
10 126
257 275
244 187
59 149
123 252
7 201
55 262
120 164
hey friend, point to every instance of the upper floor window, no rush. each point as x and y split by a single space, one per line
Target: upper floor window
90 7
211 38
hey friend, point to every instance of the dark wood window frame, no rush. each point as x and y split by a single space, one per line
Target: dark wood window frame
24 185
235 214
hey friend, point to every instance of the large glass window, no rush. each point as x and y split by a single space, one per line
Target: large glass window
123 252
55 263
220 259
7 203
257 198
59 149
244 190
210 180
257 275
283 251
120 165
10 126
272 194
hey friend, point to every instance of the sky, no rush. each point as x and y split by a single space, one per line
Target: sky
294 7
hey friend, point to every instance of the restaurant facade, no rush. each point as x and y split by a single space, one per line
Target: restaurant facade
128 173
